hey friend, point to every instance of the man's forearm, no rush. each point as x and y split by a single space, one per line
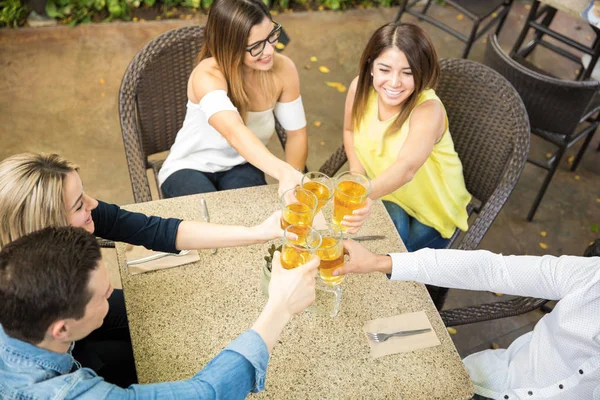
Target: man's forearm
270 323
545 277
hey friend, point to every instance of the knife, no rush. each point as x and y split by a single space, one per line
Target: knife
206 218
365 238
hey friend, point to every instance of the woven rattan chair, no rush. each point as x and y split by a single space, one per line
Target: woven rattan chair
556 108
490 131
475 10
152 102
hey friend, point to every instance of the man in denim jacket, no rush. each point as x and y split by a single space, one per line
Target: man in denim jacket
53 291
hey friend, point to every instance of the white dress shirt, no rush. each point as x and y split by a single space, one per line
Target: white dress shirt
560 358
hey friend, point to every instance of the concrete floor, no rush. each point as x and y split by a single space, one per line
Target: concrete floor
59 91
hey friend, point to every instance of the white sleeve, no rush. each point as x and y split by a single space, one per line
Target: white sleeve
291 115
215 101
546 277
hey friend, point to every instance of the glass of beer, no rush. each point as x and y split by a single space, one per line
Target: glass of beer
351 192
331 253
296 252
320 185
298 208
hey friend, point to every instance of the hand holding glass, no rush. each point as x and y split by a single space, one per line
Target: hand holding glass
331 253
296 252
298 207
351 192
320 185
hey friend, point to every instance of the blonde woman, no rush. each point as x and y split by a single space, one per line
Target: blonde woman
42 190
233 93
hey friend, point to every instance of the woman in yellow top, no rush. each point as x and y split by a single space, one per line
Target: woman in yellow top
396 132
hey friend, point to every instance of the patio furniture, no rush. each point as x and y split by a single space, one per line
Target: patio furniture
556 109
476 10
179 318
152 102
545 15
490 130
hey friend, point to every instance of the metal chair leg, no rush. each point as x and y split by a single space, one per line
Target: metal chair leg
525 30
585 73
542 191
581 151
501 22
471 39
401 11
425 8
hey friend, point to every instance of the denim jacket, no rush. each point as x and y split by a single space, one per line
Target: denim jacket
29 372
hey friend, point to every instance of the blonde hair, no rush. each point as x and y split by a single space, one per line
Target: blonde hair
31 194
226 38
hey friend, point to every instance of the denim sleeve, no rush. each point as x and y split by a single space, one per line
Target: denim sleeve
235 372
154 233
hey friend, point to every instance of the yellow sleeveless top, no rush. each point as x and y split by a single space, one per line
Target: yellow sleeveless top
437 195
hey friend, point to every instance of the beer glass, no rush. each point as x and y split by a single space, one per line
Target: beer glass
298 208
320 185
351 192
296 252
331 253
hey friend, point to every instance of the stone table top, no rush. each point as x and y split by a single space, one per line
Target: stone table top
180 318
571 7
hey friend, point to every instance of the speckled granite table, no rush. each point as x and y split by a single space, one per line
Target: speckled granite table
182 317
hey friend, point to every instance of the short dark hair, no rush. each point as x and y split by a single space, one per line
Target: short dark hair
44 277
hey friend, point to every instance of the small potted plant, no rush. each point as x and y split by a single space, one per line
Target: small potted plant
265 278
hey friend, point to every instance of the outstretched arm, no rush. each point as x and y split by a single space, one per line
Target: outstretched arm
230 125
203 235
427 124
546 277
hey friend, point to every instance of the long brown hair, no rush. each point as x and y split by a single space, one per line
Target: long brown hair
422 59
226 38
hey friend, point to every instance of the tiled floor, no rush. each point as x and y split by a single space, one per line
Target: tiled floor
59 92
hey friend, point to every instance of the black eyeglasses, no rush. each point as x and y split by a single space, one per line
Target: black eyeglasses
257 48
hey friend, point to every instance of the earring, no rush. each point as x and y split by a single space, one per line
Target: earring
371 74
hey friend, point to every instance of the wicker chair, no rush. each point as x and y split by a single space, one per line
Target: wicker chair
490 131
556 109
476 10
152 102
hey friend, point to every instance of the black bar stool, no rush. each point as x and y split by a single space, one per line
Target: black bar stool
476 10
539 19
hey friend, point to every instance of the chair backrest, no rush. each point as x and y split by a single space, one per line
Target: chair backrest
553 105
153 98
490 130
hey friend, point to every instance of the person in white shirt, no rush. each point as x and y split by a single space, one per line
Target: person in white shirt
234 93
559 359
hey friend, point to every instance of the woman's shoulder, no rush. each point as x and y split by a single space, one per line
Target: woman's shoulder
428 94
206 77
283 66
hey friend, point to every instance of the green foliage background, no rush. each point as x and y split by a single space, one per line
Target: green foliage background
13 13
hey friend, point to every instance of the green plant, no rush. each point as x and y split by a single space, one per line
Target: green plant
269 258
12 13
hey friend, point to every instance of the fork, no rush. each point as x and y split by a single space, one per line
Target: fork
382 337
157 256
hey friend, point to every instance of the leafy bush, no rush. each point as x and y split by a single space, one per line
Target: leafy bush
13 13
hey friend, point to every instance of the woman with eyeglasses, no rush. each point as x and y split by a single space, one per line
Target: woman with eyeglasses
238 87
